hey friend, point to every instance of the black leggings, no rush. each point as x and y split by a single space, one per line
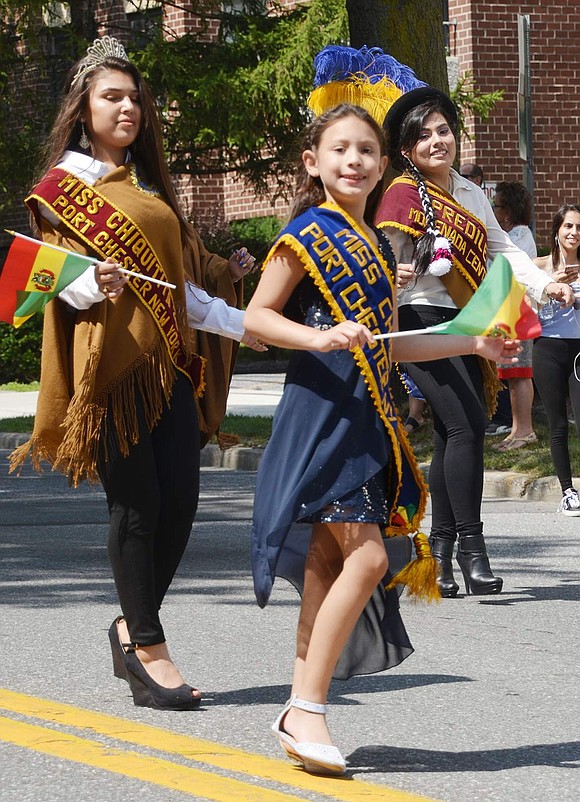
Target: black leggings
553 362
454 390
152 496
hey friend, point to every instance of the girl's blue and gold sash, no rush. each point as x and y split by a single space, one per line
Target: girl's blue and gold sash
358 283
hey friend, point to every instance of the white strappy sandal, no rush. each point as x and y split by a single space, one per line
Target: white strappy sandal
316 758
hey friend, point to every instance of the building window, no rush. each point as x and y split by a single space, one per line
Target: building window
145 18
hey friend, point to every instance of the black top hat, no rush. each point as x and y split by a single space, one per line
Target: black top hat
407 102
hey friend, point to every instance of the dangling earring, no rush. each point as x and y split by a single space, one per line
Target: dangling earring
84 141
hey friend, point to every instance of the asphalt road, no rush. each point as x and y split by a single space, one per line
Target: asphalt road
485 710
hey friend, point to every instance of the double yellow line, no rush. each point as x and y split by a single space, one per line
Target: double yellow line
196 781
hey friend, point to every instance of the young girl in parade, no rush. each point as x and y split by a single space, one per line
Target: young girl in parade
123 373
338 474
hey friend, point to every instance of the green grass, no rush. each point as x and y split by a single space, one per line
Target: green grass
534 460
254 431
18 387
23 424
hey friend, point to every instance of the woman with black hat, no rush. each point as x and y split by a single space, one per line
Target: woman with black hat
442 229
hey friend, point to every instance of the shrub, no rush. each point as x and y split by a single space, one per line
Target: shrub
20 351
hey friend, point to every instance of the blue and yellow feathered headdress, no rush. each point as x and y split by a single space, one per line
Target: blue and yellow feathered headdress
367 77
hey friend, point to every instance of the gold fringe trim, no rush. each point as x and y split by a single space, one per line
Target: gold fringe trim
491 385
420 575
37 449
86 424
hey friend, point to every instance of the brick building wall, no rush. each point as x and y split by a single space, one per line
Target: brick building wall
483 37
487 44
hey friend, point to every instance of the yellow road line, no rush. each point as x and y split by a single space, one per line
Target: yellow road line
191 781
196 749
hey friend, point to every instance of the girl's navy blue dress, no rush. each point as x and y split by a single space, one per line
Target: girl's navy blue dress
328 460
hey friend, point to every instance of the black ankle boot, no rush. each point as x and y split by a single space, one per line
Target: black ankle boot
474 564
442 550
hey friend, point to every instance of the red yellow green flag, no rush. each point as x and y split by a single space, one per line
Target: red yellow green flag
33 272
499 308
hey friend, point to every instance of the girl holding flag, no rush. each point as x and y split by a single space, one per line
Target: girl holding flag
123 374
443 230
338 478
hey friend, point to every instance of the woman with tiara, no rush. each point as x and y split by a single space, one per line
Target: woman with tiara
123 369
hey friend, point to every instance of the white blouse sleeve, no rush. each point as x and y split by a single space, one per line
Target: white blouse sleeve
83 292
213 314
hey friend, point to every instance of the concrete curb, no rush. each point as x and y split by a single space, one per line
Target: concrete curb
496 484
13 439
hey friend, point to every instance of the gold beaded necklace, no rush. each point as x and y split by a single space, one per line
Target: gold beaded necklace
140 185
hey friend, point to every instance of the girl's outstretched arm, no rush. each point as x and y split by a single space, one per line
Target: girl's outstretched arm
264 318
424 347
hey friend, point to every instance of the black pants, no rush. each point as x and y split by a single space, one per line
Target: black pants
152 496
454 390
553 361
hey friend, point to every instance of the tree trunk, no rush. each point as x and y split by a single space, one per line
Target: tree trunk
409 30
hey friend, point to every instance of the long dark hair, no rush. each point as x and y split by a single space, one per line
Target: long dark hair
557 221
147 149
309 190
411 128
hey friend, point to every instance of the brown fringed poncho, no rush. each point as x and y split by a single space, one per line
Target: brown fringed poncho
95 360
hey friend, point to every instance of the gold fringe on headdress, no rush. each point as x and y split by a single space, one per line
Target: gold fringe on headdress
376 98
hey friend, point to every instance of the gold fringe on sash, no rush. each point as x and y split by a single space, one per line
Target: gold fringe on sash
86 424
491 384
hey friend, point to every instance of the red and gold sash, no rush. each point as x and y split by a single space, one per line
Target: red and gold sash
108 231
401 208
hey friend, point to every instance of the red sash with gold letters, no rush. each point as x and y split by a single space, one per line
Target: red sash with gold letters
108 231
401 208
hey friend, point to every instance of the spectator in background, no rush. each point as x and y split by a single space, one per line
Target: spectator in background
472 172
501 422
417 404
557 349
512 206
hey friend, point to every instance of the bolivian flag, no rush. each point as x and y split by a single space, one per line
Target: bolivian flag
33 272
499 308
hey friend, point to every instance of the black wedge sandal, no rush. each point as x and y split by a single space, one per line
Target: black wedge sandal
148 693
118 651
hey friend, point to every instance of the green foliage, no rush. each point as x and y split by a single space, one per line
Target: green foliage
233 103
22 424
20 349
238 102
473 103
256 234
20 387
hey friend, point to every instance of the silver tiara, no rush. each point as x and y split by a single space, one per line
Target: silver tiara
102 49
